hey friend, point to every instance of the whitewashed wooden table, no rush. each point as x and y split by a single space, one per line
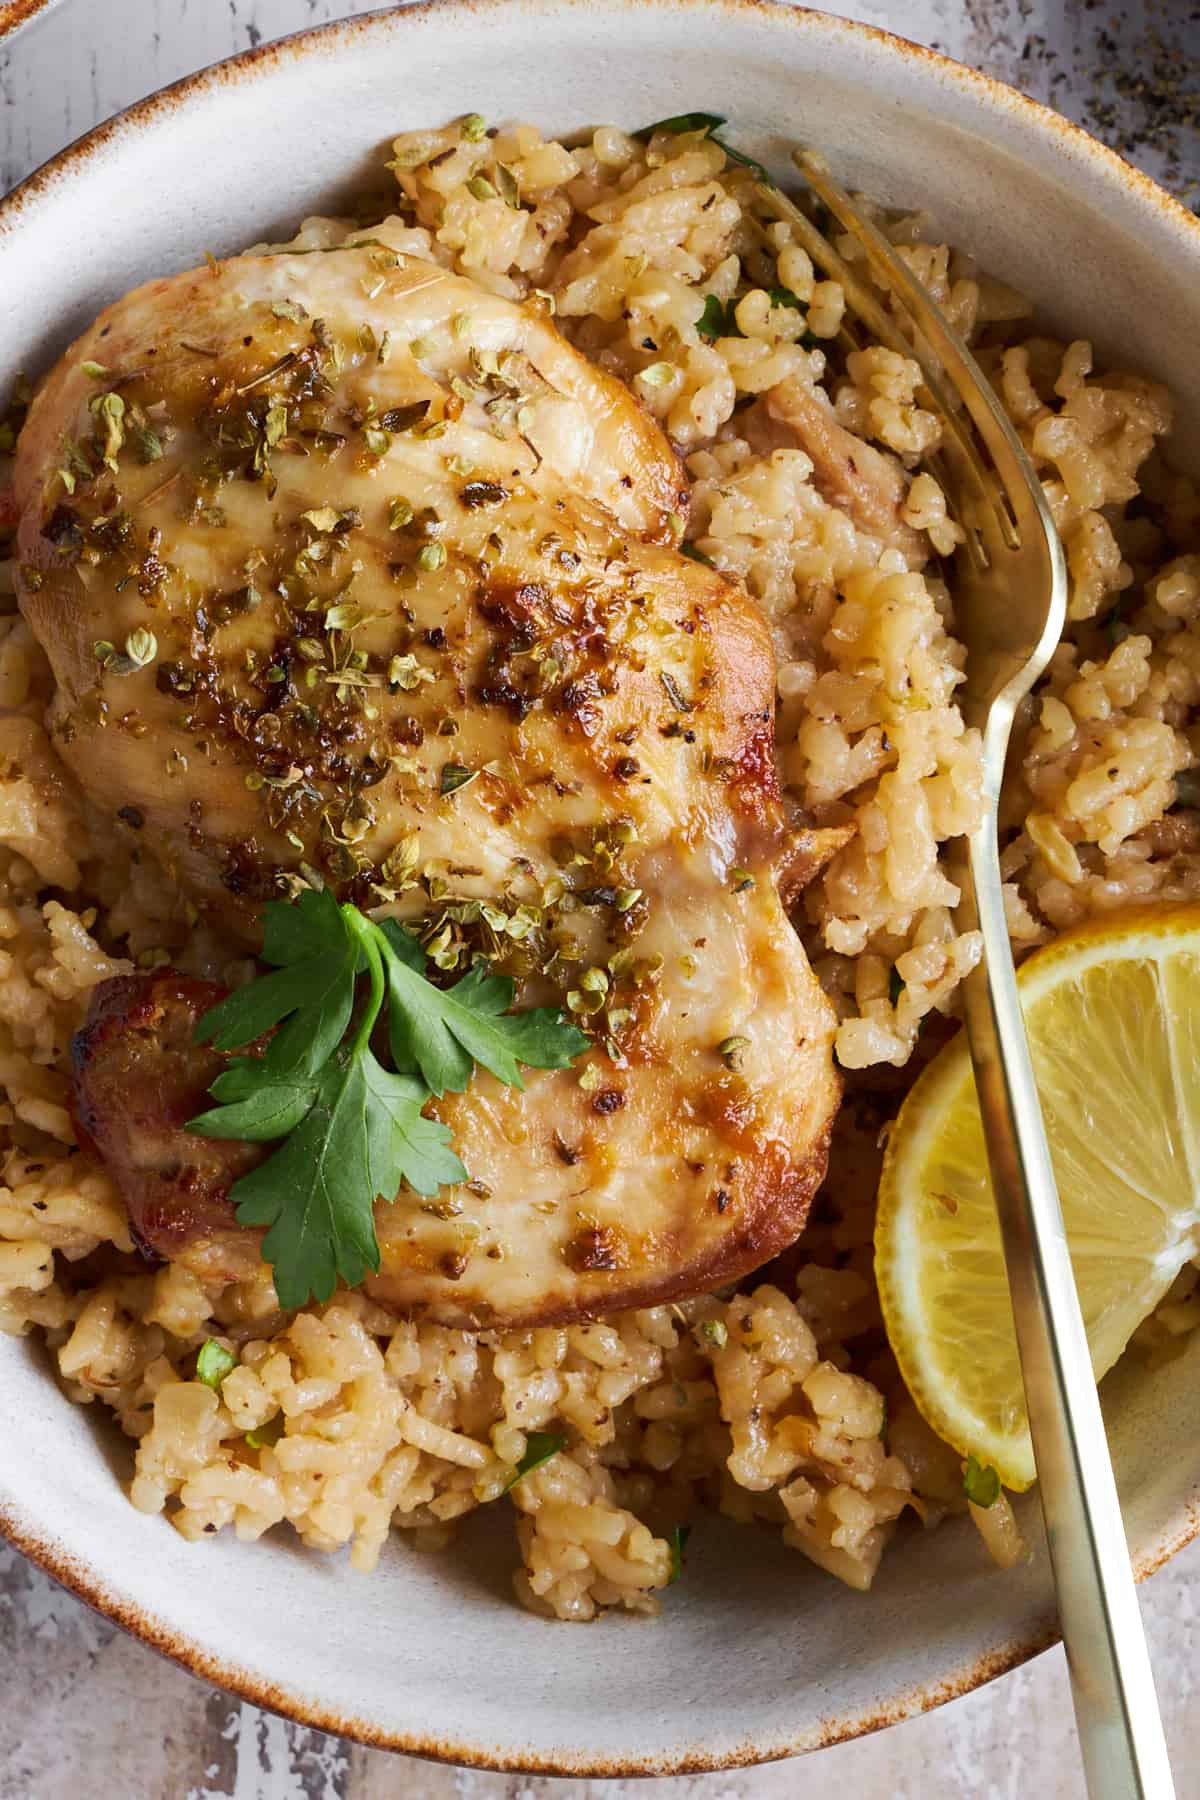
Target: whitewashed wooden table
86 1711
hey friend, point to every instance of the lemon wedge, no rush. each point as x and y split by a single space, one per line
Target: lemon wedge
1113 1016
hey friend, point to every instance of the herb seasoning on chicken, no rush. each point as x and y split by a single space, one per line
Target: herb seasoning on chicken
414 626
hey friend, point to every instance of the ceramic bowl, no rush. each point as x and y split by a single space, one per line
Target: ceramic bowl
757 1654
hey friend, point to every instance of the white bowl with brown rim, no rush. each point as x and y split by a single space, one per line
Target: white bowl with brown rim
16 13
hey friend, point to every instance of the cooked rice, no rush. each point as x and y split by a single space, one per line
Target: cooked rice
779 1404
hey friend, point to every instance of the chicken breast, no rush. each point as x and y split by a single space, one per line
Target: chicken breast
347 567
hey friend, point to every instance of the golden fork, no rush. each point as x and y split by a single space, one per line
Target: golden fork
1010 602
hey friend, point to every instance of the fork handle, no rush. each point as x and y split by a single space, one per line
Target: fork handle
1120 1730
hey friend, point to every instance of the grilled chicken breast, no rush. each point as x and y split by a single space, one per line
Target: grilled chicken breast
345 565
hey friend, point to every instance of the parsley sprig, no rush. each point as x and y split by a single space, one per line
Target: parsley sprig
353 1130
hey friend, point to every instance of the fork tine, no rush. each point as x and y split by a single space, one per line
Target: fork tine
1000 502
864 303
938 356
862 300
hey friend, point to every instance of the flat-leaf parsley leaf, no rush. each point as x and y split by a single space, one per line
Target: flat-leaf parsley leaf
353 1130
254 1107
709 124
317 961
442 1033
675 127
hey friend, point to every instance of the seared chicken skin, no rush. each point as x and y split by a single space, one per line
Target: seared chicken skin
345 565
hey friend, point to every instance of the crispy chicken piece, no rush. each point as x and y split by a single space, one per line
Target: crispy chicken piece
868 484
344 564
582 1199
138 1079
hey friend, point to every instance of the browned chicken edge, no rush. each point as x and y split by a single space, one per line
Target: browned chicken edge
138 1077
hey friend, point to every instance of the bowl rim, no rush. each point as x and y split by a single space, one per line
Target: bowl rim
16 14
55 1558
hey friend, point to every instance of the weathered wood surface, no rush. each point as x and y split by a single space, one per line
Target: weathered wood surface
86 1711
